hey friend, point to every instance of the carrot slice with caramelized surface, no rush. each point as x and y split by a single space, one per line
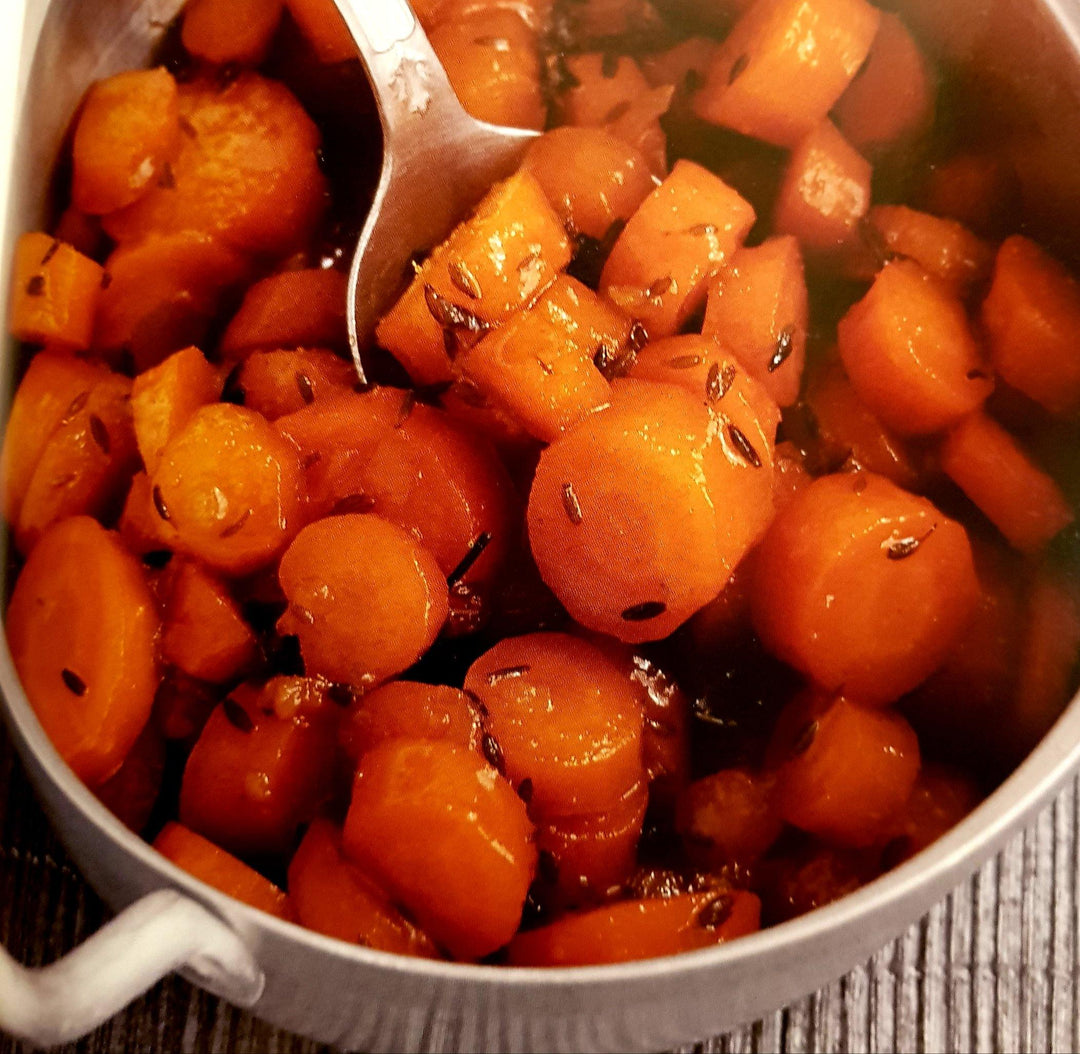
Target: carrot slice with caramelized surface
230 31
81 626
324 29
447 837
276 383
602 85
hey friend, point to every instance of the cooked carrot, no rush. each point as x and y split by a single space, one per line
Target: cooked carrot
54 293
447 838
665 737
980 189
812 875
683 65
410 710
290 309
201 858
332 895
364 598
600 87
276 383
490 57
1022 500
639 929
248 174
82 232
847 770
863 586
638 125
81 627
132 791
253 777
593 21
324 29
182 706
493 264
228 31
1030 316
563 718
164 397
680 235
910 353
891 100
784 66
203 632
140 525
540 365
725 621
590 177
825 192
470 409
757 308
941 798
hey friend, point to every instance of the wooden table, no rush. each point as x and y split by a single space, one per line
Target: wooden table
993 968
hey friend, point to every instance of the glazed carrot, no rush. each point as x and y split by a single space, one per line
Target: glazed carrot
332 895
364 598
861 585
941 798
600 87
592 21
825 192
590 177
665 737
324 29
469 408
683 65
140 526
410 710
81 626
248 175
988 464
539 366
784 66
447 838
54 293
253 777
910 353
182 706
228 484
164 397
290 309
201 858
493 264
82 232
563 718
847 770
1029 314
132 791
490 57
128 131
813 875
276 383
638 125
85 464
891 99
203 632
225 31
680 235
728 818
757 308
725 621
639 929
981 190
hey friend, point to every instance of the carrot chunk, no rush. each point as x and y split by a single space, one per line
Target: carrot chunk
638 125
811 876
80 231
665 739
230 31
981 190
127 133
564 719
784 66
276 383
940 799
680 235
988 464
54 293
332 895
364 598
757 308
863 586
447 838
1030 316
639 929
201 858
132 791
81 626
600 88
910 354
140 525
324 29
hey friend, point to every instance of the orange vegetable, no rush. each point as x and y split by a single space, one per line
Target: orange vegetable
562 718
981 190
201 858
862 586
332 895
639 929
665 738
230 31
182 707
127 134
680 235
290 309
323 27
81 626
54 293
728 818
910 354
140 525
364 598
276 383
684 64
1030 316
638 125
784 66
80 231
447 838
757 308
601 87
131 792
812 876
940 799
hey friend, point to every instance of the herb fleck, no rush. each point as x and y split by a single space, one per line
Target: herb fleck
570 504
644 611
480 543
237 716
74 683
743 446
304 387
785 345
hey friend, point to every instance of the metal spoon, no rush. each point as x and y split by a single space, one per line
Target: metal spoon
437 160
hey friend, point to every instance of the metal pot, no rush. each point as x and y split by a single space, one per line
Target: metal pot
1027 54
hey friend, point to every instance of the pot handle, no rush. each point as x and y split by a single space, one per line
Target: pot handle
162 932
